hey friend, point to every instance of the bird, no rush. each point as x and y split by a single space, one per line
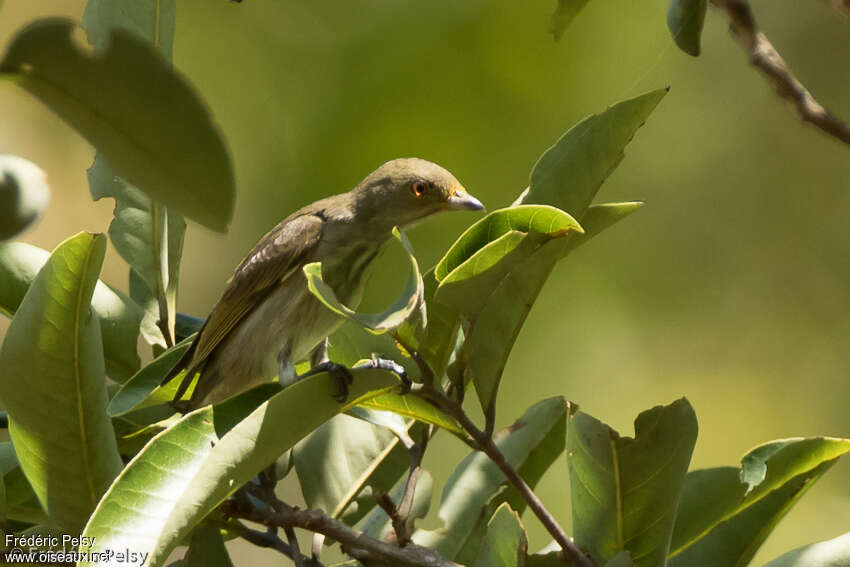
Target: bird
267 320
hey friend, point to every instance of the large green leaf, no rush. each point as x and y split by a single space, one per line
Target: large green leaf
506 544
491 248
23 195
476 479
147 235
190 468
564 14
53 384
394 315
685 19
726 513
119 316
831 553
336 460
625 491
141 115
569 174
416 408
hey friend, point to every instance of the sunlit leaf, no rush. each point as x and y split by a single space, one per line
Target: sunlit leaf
831 553
563 16
625 491
190 468
393 316
119 315
206 548
53 383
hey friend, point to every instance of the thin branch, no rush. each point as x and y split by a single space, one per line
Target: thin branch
766 59
841 5
399 524
270 540
355 543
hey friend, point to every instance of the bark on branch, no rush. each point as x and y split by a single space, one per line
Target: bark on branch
767 60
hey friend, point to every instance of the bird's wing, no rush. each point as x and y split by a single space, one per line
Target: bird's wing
278 255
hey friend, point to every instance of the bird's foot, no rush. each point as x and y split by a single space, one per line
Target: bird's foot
378 363
340 373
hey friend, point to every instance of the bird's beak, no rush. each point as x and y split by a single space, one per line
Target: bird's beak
462 201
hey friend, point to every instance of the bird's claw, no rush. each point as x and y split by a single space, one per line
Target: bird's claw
342 375
378 363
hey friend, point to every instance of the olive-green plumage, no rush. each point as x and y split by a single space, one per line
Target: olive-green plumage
267 320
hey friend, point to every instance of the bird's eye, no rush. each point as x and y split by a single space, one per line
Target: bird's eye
419 188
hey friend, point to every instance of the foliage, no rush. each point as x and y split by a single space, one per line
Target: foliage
96 447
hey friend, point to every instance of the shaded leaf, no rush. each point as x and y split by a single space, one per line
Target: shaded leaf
564 14
119 315
416 408
569 174
58 422
831 553
152 20
144 119
23 195
189 469
143 388
400 310
476 479
625 491
506 544
685 19
206 548
21 503
726 513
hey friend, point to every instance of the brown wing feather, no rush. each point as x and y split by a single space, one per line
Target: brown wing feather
278 255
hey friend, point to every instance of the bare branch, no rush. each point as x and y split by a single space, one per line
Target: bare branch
355 543
766 59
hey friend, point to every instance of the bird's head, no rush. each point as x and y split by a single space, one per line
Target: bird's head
405 191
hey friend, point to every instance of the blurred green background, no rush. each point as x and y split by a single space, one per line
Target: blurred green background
731 287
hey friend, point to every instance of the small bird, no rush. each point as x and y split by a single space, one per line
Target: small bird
267 319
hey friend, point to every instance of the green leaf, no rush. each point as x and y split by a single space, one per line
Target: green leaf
20 501
206 548
189 469
491 335
58 422
467 257
442 329
147 235
330 482
542 456
831 553
625 491
506 544
476 479
143 388
400 310
119 315
23 195
416 408
351 344
564 14
569 174
685 19
599 217
726 513
172 150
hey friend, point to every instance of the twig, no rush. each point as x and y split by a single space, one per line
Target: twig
399 524
270 540
298 559
355 543
842 5
766 59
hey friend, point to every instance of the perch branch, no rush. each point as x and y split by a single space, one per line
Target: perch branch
767 60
